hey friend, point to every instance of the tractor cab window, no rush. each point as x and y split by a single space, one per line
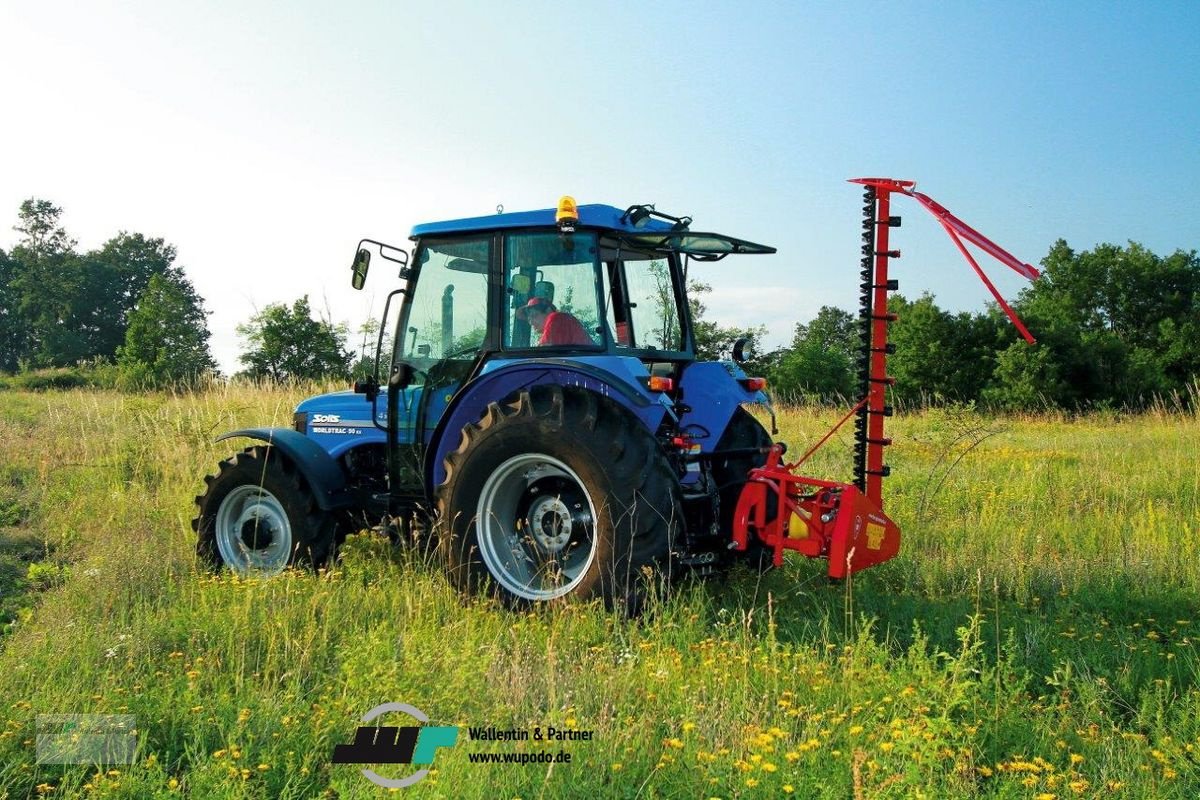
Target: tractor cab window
551 297
447 316
643 307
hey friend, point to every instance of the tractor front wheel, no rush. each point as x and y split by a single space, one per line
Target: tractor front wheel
258 517
558 493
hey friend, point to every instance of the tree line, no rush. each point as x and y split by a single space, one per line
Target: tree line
129 316
1116 326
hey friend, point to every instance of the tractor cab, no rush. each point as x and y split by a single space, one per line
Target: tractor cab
619 274
595 287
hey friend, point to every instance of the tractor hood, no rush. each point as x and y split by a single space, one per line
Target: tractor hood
341 420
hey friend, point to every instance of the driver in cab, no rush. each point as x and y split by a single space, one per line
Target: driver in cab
556 327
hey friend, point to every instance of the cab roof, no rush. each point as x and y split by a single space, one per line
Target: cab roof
650 233
592 216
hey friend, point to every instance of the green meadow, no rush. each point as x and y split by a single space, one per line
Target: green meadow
1037 637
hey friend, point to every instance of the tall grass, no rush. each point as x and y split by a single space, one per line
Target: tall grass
1035 637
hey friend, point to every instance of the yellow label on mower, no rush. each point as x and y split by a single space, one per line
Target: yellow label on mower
874 536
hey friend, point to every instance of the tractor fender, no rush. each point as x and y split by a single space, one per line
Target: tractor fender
713 394
323 475
493 386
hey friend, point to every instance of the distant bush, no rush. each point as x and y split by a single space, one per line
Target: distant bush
48 379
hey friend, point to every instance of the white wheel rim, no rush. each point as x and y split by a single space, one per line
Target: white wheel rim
253 532
536 527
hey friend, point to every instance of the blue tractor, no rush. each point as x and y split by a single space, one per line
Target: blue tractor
543 412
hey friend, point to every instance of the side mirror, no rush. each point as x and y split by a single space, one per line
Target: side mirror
362 262
367 386
402 376
743 350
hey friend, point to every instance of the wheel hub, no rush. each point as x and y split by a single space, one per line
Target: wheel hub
257 530
549 520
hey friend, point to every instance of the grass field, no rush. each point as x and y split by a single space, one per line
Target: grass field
1036 638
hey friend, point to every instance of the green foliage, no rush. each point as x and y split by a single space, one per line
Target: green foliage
43 284
59 307
364 365
43 575
939 354
822 360
1116 327
1025 378
166 341
96 373
13 333
1115 322
287 344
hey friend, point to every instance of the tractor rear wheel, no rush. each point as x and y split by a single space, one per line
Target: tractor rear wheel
258 517
558 493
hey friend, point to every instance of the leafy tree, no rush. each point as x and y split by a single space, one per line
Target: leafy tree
44 237
167 338
939 354
822 359
13 336
68 306
365 363
1025 378
1115 322
43 285
288 344
115 276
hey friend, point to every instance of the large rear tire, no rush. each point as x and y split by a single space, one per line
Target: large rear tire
259 517
558 493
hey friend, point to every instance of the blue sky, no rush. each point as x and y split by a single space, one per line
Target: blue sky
264 139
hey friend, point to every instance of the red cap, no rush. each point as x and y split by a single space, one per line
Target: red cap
540 303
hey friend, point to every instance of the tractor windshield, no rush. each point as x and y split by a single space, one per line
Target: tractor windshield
447 315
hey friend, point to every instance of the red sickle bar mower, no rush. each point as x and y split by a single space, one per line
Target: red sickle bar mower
845 522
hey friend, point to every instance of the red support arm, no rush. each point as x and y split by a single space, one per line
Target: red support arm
958 230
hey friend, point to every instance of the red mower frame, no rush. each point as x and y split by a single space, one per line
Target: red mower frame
845 522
